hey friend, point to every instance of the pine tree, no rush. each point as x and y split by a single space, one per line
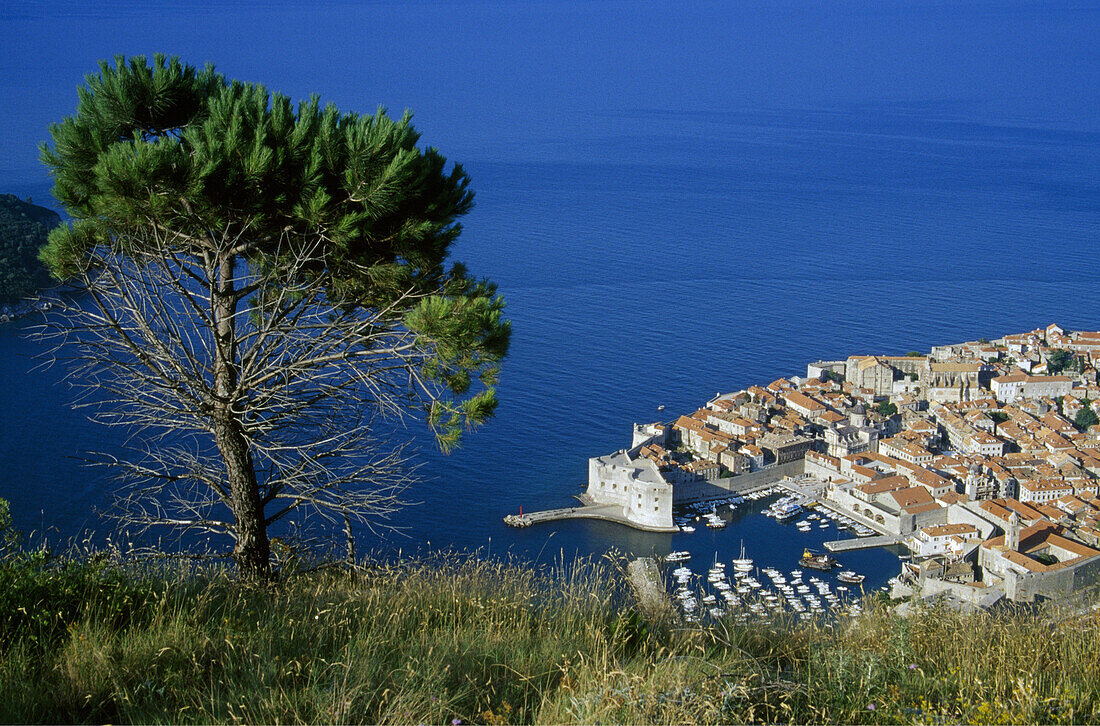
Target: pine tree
267 281
1085 417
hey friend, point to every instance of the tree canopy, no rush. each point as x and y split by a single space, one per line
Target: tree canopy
23 230
266 279
1059 360
1086 416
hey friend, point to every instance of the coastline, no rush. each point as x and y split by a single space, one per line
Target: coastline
10 312
982 458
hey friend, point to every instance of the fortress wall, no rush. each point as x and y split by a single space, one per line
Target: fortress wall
717 488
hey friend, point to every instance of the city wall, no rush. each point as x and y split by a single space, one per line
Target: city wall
1061 583
975 595
718 488
823 473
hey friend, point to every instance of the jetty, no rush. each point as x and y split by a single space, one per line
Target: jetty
861 543
586 510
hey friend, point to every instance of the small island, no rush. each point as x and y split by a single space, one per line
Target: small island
23 230
982 458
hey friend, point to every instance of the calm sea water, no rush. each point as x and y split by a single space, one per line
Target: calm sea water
674 203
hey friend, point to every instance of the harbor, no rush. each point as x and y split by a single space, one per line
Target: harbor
771 576
770 549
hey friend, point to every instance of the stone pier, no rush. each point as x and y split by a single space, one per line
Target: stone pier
606 512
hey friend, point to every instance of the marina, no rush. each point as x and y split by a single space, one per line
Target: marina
762 551
783 564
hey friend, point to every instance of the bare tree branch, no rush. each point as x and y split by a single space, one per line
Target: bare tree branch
314 381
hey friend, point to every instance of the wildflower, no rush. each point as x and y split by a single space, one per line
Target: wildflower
870 707
456 722
434 699
912 666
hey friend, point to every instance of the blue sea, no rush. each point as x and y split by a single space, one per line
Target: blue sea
675 199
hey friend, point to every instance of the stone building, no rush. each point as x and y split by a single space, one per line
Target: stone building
634 482
854 437
871 372
784 447
953 382
1037 562
1015 386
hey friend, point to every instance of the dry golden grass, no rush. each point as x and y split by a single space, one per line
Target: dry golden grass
463 639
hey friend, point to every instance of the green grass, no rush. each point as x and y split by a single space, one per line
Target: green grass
490 642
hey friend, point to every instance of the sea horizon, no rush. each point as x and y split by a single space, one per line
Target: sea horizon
659 235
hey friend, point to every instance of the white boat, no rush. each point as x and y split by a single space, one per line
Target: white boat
687 528
850 577
742 565
787 511
678 556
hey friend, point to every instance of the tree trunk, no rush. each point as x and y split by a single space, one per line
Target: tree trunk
252 549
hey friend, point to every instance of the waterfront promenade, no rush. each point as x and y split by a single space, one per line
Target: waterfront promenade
861 543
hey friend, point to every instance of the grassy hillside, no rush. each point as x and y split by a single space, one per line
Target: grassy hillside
462 640
23 230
